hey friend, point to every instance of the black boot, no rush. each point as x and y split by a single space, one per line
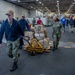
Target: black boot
71 31
18 55
53 49
20 47
56 48
14 67
10 55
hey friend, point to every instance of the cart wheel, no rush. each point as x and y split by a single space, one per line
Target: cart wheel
33 53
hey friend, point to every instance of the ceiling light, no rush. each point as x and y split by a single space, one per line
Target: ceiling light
39 2
19 1
36 0
31 6
13 0
57 1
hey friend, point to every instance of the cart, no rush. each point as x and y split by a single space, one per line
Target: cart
34 45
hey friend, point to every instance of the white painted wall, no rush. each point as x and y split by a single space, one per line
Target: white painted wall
5 6
18 11
31 13
34 14
39 14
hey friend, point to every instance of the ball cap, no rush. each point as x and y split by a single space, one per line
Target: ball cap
10 12
23 16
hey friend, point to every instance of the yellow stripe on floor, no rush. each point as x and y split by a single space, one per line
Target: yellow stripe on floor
67 47
71 42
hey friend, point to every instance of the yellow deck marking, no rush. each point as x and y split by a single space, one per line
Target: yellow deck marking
67 47
71 42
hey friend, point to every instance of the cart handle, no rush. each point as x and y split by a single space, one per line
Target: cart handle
27 38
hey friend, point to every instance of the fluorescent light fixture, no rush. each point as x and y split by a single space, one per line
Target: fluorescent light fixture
19 1
13 0
57 1
31 6
36 0
39 2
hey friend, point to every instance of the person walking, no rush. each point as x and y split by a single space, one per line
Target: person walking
24 26
63 22
56 33
39 22
74 21
12 31
71 24
34 22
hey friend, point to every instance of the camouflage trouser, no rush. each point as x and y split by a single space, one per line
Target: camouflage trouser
64 27
70 28
56 38
12 47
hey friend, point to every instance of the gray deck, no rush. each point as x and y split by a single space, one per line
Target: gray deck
60 62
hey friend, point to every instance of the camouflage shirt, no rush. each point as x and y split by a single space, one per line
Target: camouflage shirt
57 28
